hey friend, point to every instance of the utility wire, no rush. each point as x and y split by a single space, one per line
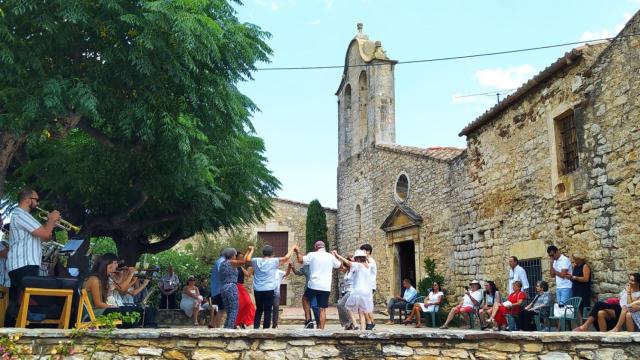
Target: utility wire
442 58
486 93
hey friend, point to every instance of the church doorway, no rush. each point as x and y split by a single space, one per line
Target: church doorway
406 262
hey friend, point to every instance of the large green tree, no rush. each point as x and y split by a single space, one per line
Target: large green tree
316 228
125 115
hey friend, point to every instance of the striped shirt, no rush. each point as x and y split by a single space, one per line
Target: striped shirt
4 274
24 248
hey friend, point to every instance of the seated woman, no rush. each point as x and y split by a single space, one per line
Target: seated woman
470 300
491 293
430 305
608 313
191 300
539 305
101 287
512 306
630 309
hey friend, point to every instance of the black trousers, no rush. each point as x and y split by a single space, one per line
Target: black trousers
525 320
168 301
264 304
16 277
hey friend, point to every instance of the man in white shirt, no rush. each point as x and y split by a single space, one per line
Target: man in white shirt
321 265
373 267
560 266
25 246
517 273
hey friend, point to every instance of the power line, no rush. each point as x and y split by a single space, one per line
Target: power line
442 58
500 92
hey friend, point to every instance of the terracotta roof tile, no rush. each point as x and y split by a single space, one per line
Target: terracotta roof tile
438 152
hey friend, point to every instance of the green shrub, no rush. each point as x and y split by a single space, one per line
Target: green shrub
316 225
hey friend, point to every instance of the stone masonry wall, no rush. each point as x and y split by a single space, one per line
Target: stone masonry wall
368 181
512 202
182 344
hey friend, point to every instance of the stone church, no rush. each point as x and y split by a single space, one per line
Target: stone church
557 162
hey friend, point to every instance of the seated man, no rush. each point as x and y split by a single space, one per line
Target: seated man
400 302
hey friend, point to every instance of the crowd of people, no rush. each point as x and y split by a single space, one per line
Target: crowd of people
115 288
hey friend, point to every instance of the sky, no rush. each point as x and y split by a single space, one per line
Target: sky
298 109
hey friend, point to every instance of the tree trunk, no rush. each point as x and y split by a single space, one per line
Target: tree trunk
9 145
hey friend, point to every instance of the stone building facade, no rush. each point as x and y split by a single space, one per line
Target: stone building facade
554 163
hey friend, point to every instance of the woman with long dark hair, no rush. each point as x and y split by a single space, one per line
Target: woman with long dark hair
246 309
491 294
102 288
431 305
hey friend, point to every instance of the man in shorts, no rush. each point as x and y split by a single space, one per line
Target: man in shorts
321 265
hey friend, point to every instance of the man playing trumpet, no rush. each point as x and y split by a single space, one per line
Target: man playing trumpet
25 254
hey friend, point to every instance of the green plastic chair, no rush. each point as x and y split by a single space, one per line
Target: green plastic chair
542 318
574 304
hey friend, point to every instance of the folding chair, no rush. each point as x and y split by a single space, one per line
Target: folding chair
85 304
47 287
4 302
571 308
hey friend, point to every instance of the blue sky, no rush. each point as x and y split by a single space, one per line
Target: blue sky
298 117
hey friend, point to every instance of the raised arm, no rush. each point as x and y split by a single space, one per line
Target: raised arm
247 256
240 262
299 257
286 258
345 261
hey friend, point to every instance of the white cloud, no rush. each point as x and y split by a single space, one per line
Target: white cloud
328 4
606 33
503 79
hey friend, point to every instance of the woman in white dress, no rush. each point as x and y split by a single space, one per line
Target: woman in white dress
431 304
191 300
630 304
361 297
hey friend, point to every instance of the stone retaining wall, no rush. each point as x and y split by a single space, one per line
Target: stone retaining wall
304 344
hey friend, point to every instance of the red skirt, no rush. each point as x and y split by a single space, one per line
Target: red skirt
246 309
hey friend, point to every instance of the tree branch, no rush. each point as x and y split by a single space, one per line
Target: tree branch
165 244
94 133
116 221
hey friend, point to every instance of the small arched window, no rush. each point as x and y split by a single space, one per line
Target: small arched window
347 97
402 188
363 96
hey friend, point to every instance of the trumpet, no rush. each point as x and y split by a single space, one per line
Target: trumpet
62 223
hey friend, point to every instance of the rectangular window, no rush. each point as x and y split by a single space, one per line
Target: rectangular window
568 144
283 294
534 274
277 239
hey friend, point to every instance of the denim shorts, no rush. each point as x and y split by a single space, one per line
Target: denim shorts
562 295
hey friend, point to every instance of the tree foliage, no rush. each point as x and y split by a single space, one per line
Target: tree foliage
209 246
129 118
424 286
316 225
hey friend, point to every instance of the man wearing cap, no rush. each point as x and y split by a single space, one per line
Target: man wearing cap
470 299
321 265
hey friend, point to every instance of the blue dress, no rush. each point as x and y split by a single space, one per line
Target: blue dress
229 292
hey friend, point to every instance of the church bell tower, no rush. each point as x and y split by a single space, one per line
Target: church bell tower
366 100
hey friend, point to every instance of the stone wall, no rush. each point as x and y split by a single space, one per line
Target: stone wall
182 344
508 202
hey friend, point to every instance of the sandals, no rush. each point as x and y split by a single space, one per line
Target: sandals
444 327
418 325
407 321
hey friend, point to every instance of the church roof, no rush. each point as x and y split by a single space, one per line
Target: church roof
438 152
568 59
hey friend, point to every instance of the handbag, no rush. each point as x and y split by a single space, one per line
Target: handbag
563 311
